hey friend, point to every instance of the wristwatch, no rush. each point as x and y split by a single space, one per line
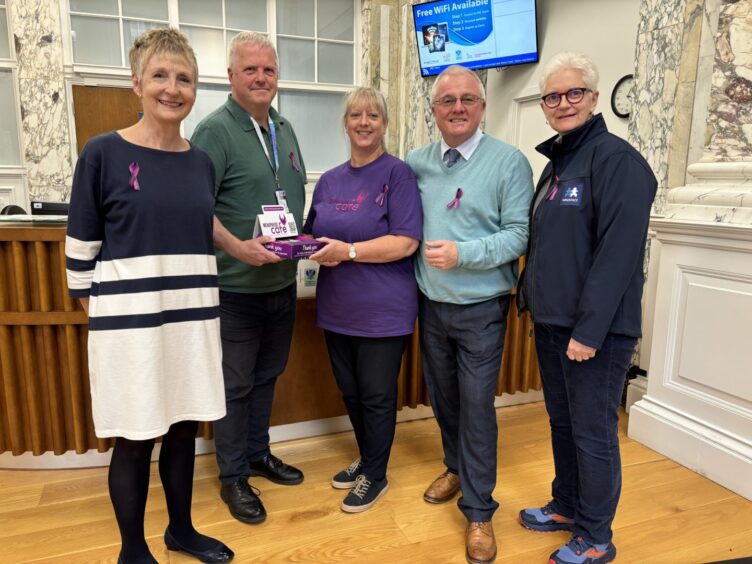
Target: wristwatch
352 253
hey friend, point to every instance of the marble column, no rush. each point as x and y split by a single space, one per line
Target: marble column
45 141
697 408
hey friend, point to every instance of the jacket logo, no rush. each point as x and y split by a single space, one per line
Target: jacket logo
572 195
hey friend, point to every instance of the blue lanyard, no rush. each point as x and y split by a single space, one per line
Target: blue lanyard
273 134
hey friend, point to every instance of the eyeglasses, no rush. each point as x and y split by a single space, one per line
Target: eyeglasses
573 95
466 100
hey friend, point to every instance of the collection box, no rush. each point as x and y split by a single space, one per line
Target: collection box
295 248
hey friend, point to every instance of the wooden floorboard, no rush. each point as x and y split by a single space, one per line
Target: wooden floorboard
667 514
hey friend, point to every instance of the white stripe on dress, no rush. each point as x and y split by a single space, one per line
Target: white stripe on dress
81 250
154 266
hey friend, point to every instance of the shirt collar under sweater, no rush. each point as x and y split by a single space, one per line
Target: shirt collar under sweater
467 148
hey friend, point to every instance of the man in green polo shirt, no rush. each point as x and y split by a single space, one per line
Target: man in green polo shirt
257 162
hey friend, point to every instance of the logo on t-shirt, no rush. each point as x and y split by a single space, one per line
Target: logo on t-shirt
572 195
352 205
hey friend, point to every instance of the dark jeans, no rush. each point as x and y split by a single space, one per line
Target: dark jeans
366 370
256 331
582 399
462 346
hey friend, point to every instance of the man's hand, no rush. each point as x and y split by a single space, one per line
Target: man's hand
253 252
441 254
579 352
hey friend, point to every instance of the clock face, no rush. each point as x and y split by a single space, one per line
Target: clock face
621 97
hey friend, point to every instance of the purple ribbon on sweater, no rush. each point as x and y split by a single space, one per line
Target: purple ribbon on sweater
381 198
456 202
134 170
555 189
295 166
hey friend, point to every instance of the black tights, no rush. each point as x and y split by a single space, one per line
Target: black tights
129 486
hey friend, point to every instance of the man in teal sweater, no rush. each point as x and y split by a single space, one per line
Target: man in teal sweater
476 193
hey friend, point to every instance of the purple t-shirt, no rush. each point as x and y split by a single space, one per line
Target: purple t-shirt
358 204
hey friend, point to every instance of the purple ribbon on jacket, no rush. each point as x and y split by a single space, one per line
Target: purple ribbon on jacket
134 170
456 202
295 166
381 198
555 189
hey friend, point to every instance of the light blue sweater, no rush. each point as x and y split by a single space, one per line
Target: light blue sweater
490 226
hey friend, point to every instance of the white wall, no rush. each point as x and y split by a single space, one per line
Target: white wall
605 30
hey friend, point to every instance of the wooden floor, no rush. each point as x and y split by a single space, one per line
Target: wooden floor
667 513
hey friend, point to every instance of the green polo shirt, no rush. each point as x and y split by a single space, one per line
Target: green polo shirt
245 182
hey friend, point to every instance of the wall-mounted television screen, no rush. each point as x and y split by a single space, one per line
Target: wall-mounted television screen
477 34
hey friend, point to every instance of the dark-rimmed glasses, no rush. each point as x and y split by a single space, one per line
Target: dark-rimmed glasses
573 96
449 101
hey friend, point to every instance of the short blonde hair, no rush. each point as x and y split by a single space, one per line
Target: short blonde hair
365 96
159 41
455 70
574 61
252 38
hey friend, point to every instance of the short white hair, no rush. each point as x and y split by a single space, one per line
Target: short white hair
455 70
253 38
570 60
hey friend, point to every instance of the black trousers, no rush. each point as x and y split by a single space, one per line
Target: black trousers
366 370
256 332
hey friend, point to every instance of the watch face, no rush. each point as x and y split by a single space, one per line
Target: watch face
621 97
352 253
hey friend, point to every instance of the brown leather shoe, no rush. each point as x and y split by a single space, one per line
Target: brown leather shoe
443 488
480 543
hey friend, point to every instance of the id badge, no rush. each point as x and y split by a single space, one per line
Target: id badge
282 199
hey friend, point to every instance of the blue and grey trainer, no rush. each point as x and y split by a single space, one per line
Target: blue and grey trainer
579 551
345 479
545 519
364 494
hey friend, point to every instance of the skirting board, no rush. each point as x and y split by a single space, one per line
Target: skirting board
636 389
694 444
279 433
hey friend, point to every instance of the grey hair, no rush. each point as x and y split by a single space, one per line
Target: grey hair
252 38
574 61
455 70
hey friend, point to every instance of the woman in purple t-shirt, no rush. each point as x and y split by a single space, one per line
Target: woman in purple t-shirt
368 212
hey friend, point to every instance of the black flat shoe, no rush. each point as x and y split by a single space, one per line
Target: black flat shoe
218 553
274 470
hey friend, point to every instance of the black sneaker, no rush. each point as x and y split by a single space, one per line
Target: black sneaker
364 494
345 479
274 470
243 501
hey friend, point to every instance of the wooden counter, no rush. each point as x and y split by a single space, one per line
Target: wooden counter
44 387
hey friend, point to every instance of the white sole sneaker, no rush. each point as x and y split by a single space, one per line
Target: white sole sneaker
361 508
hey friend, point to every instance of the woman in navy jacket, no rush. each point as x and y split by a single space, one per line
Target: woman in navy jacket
583 286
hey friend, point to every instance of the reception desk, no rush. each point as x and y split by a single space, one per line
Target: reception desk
44 387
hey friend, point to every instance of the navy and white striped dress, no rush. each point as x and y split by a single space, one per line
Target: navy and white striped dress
140 246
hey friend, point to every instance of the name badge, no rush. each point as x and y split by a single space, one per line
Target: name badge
572 195
282 199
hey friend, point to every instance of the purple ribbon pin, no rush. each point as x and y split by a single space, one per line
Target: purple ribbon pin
134 170
381 198
555 189
295 166
456 202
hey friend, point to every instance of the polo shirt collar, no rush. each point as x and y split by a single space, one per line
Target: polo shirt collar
241 116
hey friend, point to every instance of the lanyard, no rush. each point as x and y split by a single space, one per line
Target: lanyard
273 134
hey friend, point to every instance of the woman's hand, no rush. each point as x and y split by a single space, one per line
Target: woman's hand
579 352
333 253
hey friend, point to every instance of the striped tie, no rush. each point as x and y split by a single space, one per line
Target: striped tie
451 157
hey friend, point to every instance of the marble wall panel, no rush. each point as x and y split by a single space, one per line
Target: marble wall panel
44 117
657 14
730 115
